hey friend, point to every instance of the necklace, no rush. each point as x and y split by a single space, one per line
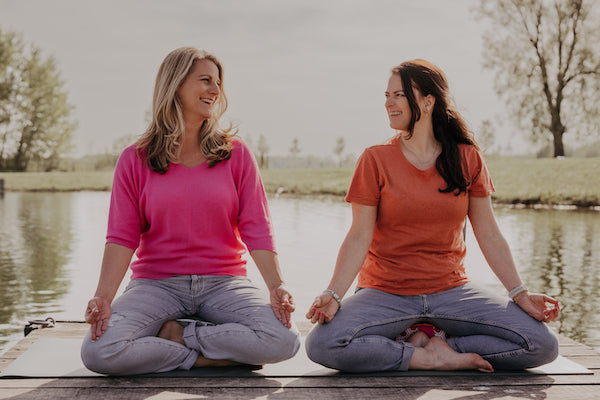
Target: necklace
420 162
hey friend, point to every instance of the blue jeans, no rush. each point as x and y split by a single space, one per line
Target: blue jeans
239 325
360 338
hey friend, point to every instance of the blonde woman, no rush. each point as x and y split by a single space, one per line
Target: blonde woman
188 200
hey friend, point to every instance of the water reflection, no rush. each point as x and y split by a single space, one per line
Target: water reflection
564 263
51 246
36 241
308 234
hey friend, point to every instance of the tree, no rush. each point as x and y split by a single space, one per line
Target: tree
10 48
486 134
120 143
263 150
547 65
295 150
35 121
338 150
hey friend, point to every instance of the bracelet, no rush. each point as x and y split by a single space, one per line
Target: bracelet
516 291
335 296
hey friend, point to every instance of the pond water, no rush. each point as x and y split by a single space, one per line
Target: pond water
51 246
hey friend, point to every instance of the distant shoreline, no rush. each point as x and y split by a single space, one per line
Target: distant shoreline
520 182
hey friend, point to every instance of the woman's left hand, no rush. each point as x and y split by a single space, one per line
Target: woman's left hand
283 304
536 305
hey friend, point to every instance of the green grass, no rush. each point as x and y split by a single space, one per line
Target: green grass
307 181
56 181
571 181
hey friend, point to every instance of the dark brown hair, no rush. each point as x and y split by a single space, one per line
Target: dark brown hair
449 128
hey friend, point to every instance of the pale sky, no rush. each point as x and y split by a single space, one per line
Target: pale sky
308 69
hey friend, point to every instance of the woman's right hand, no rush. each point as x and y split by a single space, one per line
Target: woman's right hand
97 314
323 309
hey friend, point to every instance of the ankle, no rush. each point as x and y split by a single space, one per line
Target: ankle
422 359
173 331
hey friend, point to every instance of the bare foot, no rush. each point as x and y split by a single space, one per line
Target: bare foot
419 339
207 362
437 355
172 331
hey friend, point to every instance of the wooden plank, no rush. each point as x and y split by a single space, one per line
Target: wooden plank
563 387
577 351
591 362
62 329
282 393
448 382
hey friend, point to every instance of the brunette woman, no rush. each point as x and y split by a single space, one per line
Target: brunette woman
410 198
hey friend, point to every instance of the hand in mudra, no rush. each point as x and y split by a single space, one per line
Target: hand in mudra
97 314
323 309
536 305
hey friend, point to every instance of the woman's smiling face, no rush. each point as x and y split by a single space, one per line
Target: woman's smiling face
200 90
396 104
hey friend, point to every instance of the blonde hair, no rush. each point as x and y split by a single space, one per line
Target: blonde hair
160 143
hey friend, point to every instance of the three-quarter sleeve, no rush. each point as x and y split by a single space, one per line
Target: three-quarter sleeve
254 219
124 218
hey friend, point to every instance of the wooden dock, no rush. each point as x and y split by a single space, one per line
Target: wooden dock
475 386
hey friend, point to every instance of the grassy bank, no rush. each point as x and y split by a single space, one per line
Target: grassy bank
572 181
308 181
517 181
56 181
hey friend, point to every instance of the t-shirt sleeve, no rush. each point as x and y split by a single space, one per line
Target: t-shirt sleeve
254 219
365 187
124 220
481 181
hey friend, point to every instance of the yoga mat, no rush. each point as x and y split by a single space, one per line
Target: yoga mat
59 358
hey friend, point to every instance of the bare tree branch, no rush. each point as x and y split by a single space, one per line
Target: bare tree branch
553 43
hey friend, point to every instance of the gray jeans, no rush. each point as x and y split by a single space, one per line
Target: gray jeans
238 325
360 338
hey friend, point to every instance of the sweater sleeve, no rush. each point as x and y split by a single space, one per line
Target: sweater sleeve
254 219
124 217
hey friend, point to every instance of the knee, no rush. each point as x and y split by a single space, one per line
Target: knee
289 341
545 349
541 349
280 345
98 357
91 355
316 346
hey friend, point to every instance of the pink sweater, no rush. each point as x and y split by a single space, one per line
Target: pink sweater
189 221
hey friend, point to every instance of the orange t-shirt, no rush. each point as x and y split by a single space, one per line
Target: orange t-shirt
418 245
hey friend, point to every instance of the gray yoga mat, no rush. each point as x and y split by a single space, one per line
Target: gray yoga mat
59 358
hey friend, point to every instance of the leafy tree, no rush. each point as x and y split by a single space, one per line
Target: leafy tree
547 65
10 48
35 118
338 150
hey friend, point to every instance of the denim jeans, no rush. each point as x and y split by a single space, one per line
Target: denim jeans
360 338
235 323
